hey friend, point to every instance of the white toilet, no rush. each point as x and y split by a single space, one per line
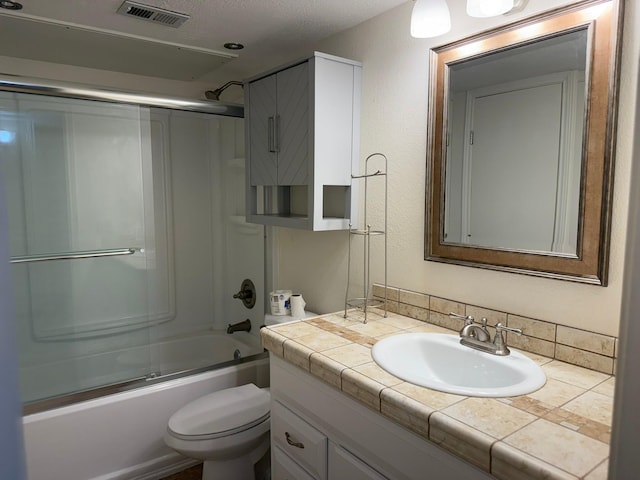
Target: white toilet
228 430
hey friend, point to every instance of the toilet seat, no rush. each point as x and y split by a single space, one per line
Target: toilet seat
221 414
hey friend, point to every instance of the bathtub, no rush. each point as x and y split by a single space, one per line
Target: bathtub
165 356
120 436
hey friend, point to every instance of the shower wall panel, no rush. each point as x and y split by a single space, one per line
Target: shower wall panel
77 172
87 176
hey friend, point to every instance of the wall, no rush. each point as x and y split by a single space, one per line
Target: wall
624 460
103 78
394 121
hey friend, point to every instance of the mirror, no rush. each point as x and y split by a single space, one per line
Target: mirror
520 153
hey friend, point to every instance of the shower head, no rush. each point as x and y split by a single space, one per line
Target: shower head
215 94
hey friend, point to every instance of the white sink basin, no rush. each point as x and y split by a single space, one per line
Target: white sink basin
439 362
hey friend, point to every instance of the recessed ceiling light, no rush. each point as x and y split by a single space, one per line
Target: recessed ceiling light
10 5
233 46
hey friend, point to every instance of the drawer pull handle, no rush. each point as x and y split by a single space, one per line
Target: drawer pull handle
291 442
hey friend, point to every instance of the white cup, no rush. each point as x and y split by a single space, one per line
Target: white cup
280 302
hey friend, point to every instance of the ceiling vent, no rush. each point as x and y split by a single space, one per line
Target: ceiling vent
153 14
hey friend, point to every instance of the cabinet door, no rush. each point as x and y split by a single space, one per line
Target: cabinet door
343 465
292 125
284 468
299 439
262 125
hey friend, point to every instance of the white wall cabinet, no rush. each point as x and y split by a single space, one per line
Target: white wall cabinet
302 141
319 433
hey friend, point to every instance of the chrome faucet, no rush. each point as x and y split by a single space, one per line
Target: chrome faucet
477 336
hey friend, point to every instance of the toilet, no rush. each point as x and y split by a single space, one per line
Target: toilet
228 430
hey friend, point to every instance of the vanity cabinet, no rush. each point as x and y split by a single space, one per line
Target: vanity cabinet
343 464
302 442
318 432
302 140
301 451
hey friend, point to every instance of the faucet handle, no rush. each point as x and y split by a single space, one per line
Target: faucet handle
499 342
468 319
501 328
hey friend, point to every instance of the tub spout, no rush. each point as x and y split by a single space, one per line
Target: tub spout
244 326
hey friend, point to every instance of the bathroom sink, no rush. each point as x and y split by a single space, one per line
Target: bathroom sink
439 362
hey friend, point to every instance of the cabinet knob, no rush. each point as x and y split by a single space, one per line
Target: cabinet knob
291 442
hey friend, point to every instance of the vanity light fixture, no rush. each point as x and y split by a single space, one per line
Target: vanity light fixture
488 8
430 18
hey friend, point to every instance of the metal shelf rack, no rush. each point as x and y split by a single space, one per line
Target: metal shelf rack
365 301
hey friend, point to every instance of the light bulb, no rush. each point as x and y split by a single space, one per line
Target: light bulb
488 8
430 18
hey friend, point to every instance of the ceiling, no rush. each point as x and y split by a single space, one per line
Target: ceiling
92 34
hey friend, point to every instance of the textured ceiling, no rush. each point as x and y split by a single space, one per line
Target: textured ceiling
270 30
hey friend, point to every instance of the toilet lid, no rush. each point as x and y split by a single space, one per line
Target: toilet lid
223 412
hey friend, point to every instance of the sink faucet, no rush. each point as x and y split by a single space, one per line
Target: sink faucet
477 336
471 329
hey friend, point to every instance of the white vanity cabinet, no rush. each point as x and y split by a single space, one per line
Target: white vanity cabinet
343 465
318 432
301 451
302 442
302 132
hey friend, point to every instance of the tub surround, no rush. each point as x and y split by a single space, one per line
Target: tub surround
561 431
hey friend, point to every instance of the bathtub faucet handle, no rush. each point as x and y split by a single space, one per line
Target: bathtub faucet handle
242 294
247 293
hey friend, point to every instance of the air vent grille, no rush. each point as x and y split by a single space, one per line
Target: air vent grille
152 14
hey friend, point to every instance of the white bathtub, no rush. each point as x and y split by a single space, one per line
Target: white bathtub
120 436
207 348
170 355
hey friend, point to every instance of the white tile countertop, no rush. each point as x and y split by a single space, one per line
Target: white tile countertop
561 431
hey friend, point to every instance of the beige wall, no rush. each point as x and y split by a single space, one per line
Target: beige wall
394 116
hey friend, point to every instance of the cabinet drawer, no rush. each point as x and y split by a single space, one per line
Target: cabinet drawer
343 465
283 468
302 442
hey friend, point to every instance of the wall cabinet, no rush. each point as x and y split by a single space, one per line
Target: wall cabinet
302 141
319 433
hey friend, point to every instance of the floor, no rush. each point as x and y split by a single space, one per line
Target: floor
193 473
262 470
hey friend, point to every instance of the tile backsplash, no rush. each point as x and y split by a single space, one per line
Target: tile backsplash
571 345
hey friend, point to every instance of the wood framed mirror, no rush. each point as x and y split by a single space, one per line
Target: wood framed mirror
521 145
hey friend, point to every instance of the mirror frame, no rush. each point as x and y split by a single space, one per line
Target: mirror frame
603 21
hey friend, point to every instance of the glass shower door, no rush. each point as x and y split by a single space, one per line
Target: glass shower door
78 176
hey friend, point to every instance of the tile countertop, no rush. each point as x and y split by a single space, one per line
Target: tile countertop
561 431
